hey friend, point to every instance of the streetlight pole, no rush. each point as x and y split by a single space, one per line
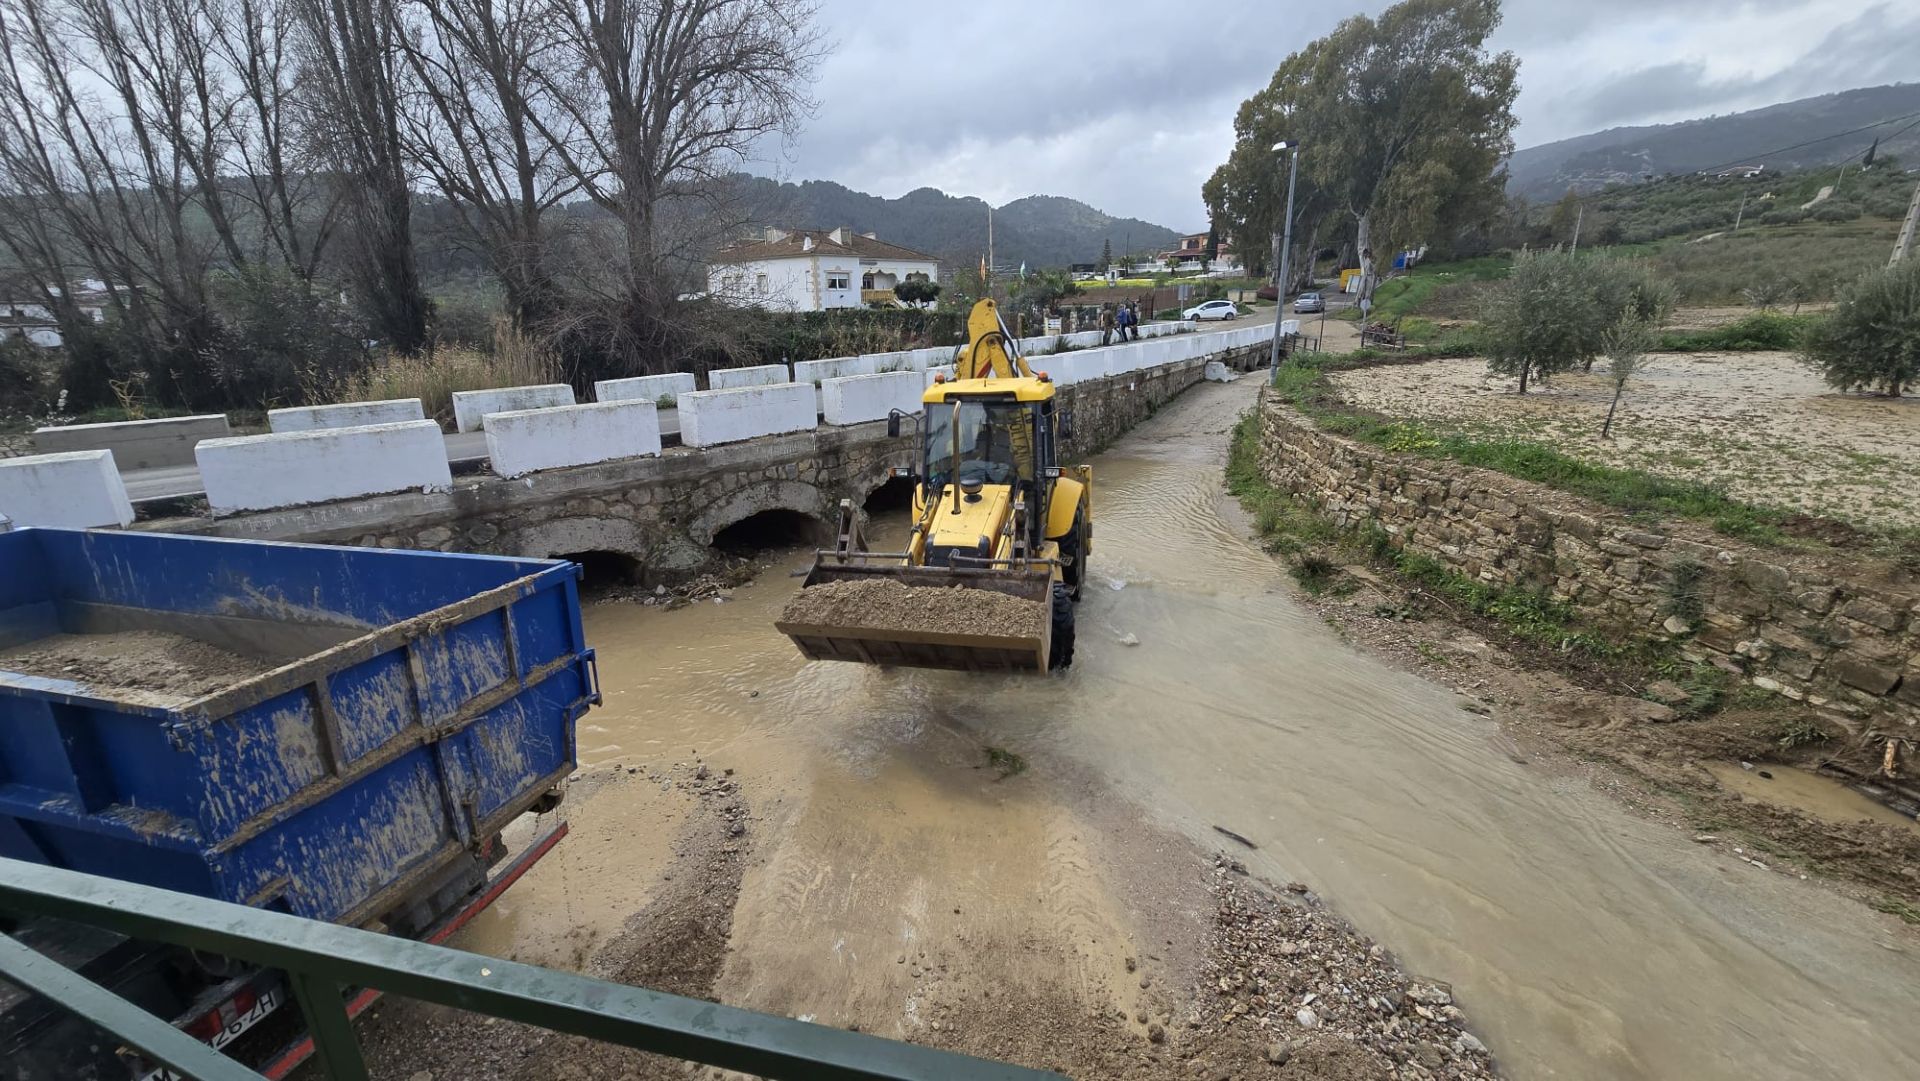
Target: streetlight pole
1286 251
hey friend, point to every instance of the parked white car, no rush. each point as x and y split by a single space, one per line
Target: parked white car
1213 309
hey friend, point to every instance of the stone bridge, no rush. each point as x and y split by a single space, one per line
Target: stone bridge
659 517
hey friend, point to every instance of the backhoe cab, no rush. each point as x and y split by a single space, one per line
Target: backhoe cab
993 510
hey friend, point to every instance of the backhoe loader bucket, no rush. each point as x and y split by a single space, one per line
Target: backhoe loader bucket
929 648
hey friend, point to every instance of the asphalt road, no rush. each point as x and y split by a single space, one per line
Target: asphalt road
466 451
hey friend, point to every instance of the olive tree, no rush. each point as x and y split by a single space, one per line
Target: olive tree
1625 345
1558 310
1872 337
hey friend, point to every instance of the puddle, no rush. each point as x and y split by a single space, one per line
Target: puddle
1810 793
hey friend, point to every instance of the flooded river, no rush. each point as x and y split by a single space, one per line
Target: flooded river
1582 942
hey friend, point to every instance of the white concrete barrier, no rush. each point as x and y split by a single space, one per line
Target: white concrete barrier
711 417
524 441
764 375
1079 366
78 489
261 472
932 356
648 388
470 407
136 444
313 418
856 399
818 372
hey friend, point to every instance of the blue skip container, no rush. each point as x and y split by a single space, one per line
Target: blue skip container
402 707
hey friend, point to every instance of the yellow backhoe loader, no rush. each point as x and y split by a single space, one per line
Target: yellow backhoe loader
994 512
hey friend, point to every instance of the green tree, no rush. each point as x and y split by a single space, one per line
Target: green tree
1558 310
1566 213
917 291
1871 339
1106 254
1404 120
1625 345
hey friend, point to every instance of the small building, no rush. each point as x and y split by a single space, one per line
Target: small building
34 321
807 270
1191 256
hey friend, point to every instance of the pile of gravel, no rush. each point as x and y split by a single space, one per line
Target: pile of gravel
888 605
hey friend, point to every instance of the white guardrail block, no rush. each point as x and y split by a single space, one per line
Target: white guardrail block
647 388
765 375
136 444
856 399
470 407
818 372
313 418
262 472
80 489
524 441
711 417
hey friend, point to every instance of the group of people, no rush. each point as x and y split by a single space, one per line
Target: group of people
1123 319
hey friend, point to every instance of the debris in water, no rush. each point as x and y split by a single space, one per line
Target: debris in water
1129 639
1225 832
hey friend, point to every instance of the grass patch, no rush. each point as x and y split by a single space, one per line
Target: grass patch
1410 292
1005 762
1895 907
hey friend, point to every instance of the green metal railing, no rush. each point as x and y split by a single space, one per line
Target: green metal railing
321 960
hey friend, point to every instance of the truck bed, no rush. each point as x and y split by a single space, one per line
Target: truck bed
320 730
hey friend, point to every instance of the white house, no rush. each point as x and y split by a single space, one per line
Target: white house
807 270
33 320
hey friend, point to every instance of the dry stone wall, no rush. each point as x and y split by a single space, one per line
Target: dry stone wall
1839 632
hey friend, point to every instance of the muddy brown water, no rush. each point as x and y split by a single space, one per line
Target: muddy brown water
1582 941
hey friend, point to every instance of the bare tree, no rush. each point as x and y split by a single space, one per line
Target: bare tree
354 115
666 98
94 188
469 123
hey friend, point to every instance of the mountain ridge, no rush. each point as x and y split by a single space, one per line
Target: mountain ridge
1634 153
1038 230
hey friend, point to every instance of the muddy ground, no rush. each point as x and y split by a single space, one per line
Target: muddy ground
1764 425
1740 779
1030 870
143 667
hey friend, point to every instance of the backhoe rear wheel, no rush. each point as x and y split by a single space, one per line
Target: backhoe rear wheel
1060 654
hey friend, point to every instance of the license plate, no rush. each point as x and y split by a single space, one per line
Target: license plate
268 1002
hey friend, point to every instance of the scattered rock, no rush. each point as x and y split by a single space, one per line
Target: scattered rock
1279 1052
1667 692
1307 1018
1468 1043
1157 1032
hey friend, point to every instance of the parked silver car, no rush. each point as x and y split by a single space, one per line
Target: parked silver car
1309 302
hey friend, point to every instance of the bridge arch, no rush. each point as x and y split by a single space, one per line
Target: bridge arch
743 503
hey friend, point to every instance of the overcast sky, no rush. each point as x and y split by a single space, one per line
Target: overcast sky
1120 106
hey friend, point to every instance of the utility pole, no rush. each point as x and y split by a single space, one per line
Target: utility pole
1286 250
1577 219
989 247
1741 213
1907 229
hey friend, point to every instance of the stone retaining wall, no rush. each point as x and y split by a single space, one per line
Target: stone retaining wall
1840 633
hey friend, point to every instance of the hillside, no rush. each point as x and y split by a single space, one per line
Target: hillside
1039 230
1630 154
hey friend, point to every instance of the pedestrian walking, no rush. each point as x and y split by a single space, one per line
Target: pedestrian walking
1106 324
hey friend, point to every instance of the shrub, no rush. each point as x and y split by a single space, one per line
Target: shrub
1872 337
23 377
515 361
1762 331
280 339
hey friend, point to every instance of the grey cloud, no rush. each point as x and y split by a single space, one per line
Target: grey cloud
1128 104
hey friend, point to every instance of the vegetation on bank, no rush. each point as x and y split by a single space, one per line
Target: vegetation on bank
1314 549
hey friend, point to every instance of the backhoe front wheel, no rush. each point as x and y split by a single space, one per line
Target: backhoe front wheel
1073 556
1060 653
